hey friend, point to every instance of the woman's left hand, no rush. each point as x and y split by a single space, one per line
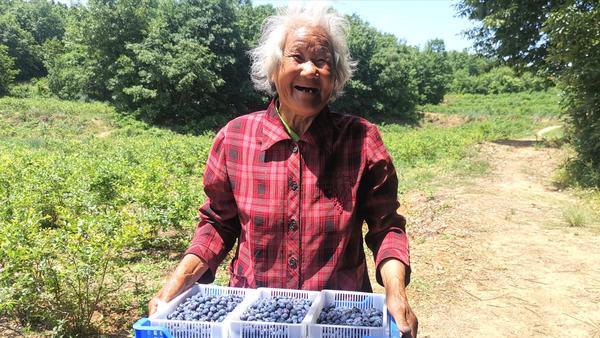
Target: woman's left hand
405 318
393 274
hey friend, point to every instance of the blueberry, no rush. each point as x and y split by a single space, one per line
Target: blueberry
205 308
278 309
332 315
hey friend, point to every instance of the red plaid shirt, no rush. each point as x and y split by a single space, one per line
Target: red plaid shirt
297 209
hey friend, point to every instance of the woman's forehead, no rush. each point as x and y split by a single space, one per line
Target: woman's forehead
307 37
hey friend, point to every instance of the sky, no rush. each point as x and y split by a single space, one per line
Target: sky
409 20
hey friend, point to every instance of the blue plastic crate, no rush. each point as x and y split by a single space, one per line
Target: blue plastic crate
143 329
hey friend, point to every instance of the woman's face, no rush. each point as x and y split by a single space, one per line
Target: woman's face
304 80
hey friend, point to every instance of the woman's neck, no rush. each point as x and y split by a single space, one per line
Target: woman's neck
299 124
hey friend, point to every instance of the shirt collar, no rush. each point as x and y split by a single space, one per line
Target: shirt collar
320 133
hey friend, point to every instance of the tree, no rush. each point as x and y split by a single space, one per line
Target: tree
41 18
561 37
249 23
24 27
188 66
21 47
384 82
433 72
7 70
574 40
510 29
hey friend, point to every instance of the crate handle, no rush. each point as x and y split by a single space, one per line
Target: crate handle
394 333
144 329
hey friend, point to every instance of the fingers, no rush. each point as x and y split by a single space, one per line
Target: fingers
402 323
405 318
413 323
151 307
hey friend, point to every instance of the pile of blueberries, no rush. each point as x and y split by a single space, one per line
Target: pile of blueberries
278 309
206 308
333 315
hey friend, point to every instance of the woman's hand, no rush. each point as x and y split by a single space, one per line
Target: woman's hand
154 304
189 270
393 273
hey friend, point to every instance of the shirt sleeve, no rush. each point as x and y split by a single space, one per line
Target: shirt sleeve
219 225
387 234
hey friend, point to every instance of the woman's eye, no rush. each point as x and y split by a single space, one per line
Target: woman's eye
322 62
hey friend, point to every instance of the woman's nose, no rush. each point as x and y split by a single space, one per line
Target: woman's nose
309 69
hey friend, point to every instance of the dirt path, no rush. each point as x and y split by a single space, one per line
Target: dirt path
495 257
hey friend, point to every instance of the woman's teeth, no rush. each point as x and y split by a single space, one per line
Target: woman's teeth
307 89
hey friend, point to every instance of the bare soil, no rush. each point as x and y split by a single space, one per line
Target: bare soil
493 256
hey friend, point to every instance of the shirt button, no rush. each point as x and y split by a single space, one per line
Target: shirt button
293 185
293 263
292 225
295 148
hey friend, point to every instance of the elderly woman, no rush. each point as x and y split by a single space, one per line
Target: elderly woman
293 184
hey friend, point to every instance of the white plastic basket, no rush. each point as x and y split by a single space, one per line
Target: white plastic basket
252 329
348 299
198 329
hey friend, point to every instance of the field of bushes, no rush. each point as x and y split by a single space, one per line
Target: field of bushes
96 207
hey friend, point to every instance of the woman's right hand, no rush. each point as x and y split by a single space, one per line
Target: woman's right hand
189 270
154 304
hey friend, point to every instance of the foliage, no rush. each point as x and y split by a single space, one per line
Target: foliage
33 88
433 72
509 29
181 71
576 49
501 79
82 193
535 104
384 83
475 74
24 27
7 70
21 46
560 37
89 61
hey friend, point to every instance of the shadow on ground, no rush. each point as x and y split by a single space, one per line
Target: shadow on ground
519 143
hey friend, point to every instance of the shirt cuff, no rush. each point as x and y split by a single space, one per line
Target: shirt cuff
206 255
400 253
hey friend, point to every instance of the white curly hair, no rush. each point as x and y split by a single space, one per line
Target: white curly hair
267 56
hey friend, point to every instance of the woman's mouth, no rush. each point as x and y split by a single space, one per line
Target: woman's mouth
307 89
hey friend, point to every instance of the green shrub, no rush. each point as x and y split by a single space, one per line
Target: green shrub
76 208
500 79
528 104
34 88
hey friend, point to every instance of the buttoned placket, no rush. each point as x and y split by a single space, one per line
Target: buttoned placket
293 215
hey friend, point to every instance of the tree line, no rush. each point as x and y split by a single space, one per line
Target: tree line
185 62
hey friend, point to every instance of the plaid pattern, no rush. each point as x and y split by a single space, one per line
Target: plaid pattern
297 209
